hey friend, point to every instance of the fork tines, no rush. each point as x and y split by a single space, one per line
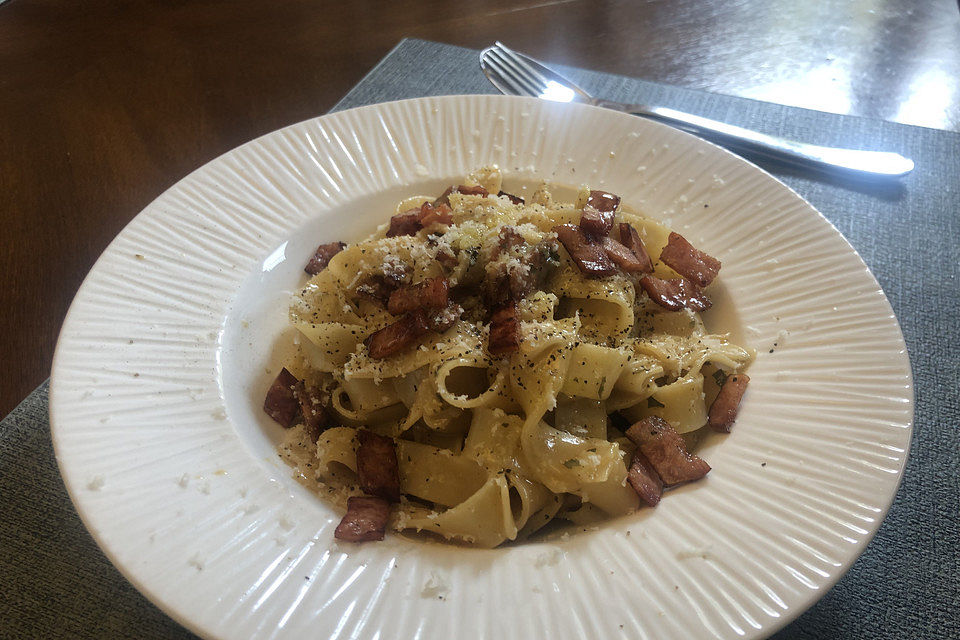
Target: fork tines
514 70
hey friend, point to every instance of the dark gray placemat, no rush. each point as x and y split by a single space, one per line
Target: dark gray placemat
57 584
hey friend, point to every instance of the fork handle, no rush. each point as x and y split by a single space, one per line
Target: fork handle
876 163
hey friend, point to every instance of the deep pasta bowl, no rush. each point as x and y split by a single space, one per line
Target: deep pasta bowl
164 357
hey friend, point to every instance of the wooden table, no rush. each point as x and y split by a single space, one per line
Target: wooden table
104 105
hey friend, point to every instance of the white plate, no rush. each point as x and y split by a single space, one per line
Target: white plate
165 354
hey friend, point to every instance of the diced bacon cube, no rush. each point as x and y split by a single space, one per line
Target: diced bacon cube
691 263
444 198
595 222
403 300
434 293
375 288
312 409
631 240
644 479
514 199
429 294
396 273
603 201
666 451
621 256
435 214
406 331
322 256
472 191
421 321
397 336
447 257
378 287
377 467
675 294
723 411
588 255
507 239
281 402
504 331
404 224
365 520
496 287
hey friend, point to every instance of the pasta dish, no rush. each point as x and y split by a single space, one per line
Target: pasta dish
484 365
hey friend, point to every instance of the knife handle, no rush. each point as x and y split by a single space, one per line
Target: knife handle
876 163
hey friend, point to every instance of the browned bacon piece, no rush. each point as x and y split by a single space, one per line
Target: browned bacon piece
404 224
694 265
504 331
644 479
447 258
365 520
377 467
311 407
631 240
397 336
514 199
665 450
515 279
472 191
595 222
405 331
431 293
396 273
603 201
435 214
589 256
675 294
508 239
321 258
723 411
496 288
621 256
281 402
444 198
376 288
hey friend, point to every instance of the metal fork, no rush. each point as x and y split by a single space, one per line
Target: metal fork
514 73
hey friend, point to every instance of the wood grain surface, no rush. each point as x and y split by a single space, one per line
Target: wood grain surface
105 104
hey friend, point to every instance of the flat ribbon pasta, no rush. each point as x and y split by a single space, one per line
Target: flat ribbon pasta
494 446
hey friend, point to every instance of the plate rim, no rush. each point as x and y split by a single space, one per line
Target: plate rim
58 420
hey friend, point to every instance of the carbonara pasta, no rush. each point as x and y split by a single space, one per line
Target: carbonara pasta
500 349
